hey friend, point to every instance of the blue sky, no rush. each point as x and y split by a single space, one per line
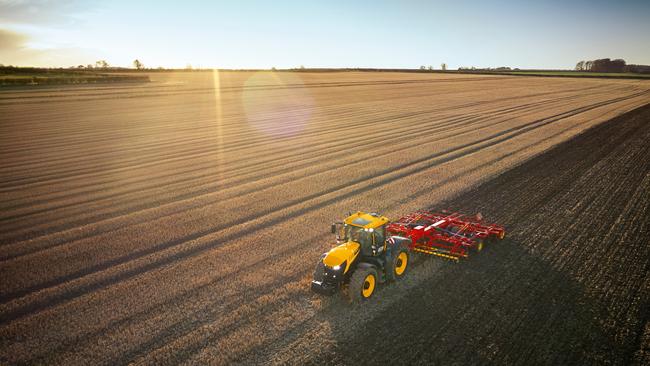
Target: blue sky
264 34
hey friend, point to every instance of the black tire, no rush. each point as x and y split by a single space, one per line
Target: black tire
397 267
496 238
360 290
480 245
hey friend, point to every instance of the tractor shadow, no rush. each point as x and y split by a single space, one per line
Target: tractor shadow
503 305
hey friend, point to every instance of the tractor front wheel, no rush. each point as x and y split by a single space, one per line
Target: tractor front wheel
363 284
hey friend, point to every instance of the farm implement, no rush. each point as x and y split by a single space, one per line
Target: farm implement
371 249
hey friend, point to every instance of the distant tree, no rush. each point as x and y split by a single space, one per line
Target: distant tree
600 65
603 65
430 67
443 66
80 67
101 64
273 68
302 67
137 64
642 69
608 65
617 65
423 67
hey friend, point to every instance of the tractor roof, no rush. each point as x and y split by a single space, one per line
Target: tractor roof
366 220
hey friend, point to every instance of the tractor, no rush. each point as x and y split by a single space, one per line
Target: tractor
372 250
366 255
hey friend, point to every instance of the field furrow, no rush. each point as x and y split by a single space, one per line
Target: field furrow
179 221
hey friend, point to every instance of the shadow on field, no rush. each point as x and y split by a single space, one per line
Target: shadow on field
565 287
504 305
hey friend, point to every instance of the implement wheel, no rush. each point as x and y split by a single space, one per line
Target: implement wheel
363 284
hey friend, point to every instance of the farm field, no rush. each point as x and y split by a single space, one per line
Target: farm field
30 76
553 73
179 221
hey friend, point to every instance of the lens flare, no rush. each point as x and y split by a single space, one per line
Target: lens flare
277 103
216 80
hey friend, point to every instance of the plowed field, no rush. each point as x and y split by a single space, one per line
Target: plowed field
179 221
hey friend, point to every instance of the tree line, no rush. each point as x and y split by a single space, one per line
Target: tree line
608 65
104 65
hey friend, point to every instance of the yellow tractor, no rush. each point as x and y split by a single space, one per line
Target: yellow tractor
366 255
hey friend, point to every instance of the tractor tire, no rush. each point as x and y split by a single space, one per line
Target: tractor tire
363 284
480 243
397 267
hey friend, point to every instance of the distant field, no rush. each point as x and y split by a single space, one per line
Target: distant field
584 74
9 77
179 221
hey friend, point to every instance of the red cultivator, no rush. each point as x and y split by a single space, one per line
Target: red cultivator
445 235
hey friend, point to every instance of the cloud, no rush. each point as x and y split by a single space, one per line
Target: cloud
11 41
15 50
41 12
32 32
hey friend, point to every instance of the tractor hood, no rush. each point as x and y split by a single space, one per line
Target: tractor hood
346 252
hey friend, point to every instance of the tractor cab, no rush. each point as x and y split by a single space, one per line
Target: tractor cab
366 229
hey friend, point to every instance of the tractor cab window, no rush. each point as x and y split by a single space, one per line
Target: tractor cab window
361 236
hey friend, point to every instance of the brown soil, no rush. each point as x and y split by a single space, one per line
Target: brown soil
569 285
179 221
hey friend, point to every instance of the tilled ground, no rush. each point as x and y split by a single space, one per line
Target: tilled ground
569 285
179 221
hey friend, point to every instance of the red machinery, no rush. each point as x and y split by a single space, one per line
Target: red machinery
445 235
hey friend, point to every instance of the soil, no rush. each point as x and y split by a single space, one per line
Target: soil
179 221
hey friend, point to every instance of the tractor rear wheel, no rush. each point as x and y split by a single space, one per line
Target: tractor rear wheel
363 284
396 268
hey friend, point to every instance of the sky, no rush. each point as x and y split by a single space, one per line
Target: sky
283 34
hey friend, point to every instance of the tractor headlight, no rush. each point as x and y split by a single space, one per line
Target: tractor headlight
340 267
336 272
